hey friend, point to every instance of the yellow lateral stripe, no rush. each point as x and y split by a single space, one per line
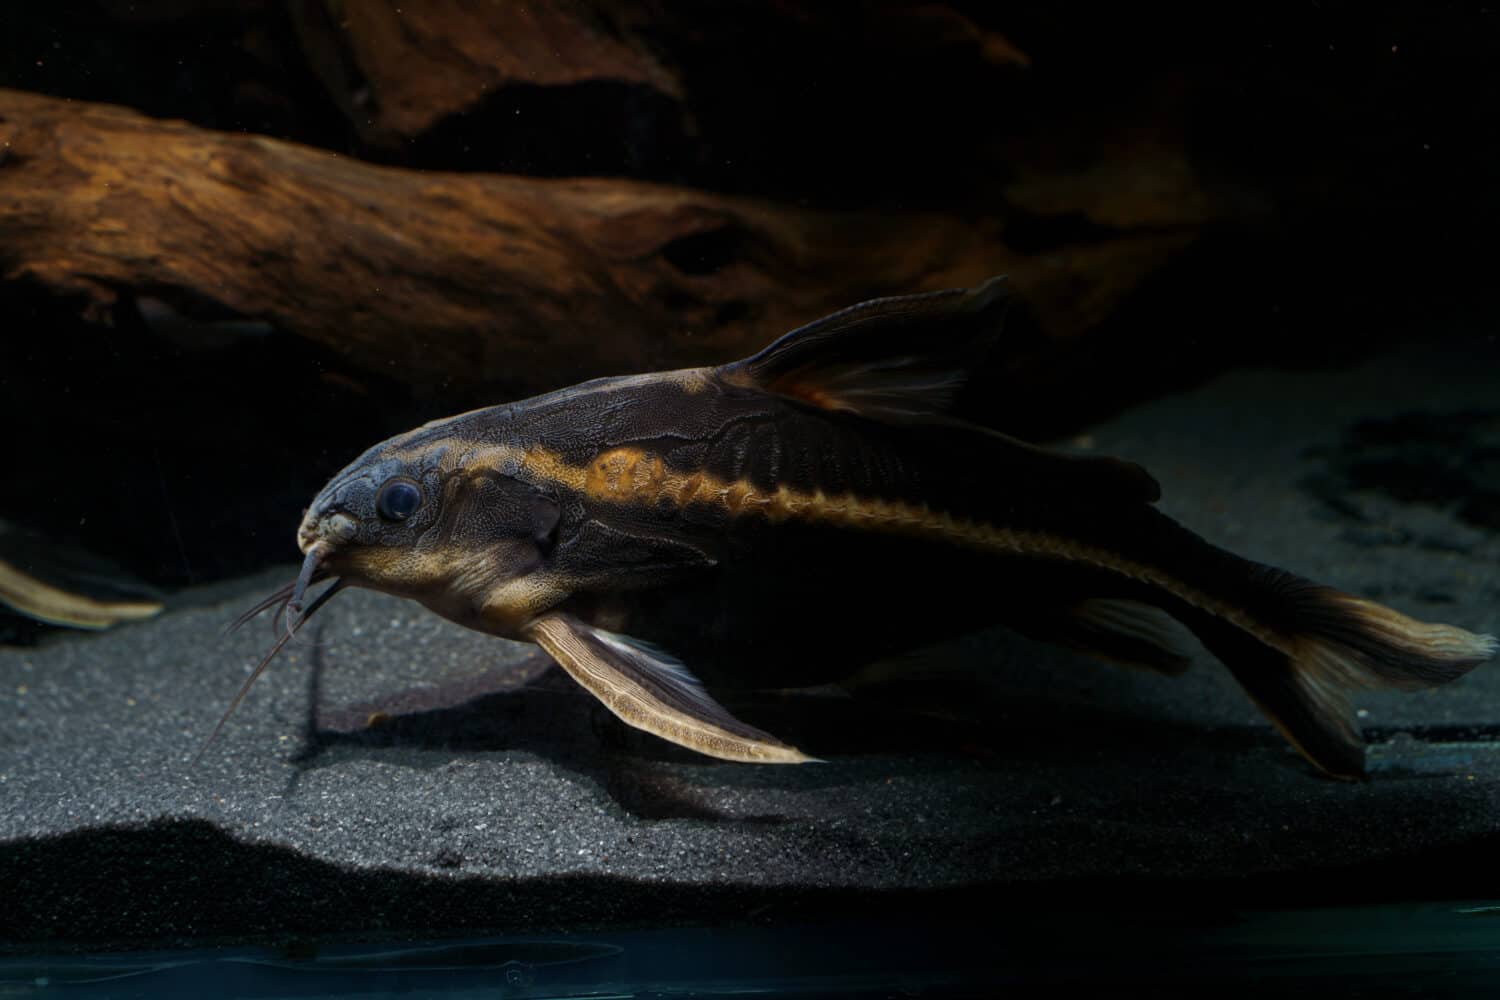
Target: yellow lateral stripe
631 475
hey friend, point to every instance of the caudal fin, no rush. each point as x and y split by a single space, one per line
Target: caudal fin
1301 647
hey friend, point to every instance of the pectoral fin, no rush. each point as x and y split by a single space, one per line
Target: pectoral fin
651 691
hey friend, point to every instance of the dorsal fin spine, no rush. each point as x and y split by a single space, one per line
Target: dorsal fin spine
899 359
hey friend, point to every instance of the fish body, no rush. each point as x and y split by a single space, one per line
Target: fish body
782 520
62 584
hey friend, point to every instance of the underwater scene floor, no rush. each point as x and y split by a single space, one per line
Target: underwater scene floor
393 772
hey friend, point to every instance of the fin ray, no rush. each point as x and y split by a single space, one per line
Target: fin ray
899 359
1317 645
1131 633
648 689
903 360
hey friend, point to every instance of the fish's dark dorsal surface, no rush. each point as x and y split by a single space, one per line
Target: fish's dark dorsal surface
785 519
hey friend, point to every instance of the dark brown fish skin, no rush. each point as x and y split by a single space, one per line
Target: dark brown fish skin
785 519
705 578
767 601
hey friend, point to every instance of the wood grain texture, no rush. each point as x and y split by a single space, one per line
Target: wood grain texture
478 280
398 70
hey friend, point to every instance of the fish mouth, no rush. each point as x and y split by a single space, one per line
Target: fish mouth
307 535
319 537
326 529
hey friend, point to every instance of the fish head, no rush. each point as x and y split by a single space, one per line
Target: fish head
438 515
423 518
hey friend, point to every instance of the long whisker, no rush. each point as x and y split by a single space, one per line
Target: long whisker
281 612
293 599
293 619
260 667
315 556
281 594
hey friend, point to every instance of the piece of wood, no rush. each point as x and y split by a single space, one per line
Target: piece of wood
397 70
471 280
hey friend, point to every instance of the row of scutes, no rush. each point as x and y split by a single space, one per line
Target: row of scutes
634 476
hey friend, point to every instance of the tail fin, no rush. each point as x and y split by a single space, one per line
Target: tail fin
1303 646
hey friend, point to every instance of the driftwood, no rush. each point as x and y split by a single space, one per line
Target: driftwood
478 280
397 71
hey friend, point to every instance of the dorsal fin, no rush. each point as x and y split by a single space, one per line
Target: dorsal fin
902 360
898 359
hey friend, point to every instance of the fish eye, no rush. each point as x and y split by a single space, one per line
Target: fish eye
398 499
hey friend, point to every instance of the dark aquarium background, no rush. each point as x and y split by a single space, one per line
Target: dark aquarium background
1253 248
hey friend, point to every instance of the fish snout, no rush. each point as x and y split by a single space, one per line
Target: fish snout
307 532
331 529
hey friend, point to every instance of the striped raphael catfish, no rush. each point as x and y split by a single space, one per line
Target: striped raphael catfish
782 520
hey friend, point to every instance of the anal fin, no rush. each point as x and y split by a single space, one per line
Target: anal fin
1121 631
650 690
1132 634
